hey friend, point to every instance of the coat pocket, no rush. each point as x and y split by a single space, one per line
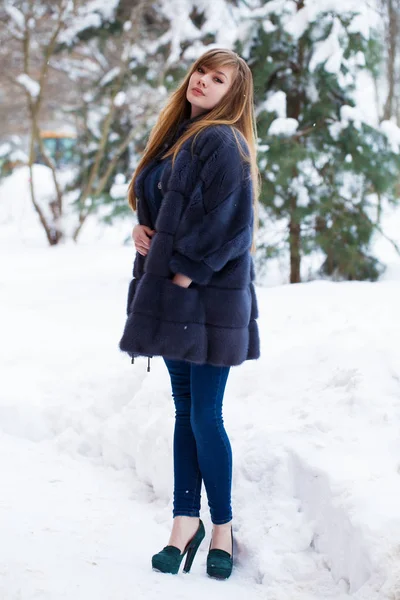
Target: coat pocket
162 299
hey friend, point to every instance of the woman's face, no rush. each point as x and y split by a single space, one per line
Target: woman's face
207 87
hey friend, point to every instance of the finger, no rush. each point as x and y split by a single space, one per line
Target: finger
144 242
149 232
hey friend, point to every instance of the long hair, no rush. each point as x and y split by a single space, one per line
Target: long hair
236 109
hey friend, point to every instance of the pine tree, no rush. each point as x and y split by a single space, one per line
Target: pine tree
321 165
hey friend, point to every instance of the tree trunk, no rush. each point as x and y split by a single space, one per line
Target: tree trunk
294 105
392 40
294 244
50 233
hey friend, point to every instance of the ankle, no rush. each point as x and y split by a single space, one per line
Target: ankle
183 529
222 537
184 519
222 528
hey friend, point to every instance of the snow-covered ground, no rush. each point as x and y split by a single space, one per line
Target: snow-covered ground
85 440
86 437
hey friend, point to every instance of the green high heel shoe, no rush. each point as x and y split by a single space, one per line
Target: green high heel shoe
170 558
220 563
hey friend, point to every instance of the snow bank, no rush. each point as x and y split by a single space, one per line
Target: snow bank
19 222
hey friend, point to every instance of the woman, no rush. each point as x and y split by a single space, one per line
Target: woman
192 299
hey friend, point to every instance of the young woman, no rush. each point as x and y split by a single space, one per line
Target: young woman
192 299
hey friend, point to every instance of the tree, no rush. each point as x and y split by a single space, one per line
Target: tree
44 32
322 166
120 60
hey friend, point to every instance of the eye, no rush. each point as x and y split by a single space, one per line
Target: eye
218 79
200 69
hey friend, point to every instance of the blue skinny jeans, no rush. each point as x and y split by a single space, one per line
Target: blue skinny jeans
202 451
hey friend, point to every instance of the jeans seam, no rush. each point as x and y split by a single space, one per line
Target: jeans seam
220 432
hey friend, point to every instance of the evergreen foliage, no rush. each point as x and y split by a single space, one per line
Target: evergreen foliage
322 167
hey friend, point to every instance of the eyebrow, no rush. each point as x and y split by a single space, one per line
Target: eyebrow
220 72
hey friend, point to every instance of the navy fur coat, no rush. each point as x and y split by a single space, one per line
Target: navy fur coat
204 231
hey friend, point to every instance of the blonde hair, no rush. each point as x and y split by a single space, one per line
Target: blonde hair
236 109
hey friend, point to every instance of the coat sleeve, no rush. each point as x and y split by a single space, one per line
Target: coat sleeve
217 221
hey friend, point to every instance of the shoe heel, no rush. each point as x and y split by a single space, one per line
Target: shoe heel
191 553
192 550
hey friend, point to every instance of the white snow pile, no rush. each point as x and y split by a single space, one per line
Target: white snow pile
19 222
16 209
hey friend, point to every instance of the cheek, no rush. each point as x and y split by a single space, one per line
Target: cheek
220 93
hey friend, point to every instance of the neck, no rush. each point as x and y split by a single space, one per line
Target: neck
196 111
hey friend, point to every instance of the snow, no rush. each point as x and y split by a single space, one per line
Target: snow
16 15
177 12
365 88
5 149
350 113
19 214
276 102
86 437
120 99
329 51
365 15
119 190
109 76
282 126
31 86
18 218
90 14
227 23
392 132
299 189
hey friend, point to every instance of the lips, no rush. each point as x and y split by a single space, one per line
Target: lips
198 90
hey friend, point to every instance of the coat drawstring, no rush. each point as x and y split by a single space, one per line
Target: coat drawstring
148 362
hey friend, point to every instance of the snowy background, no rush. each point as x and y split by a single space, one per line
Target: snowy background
86 437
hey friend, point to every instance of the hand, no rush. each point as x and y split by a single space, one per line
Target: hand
141 236
181 280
